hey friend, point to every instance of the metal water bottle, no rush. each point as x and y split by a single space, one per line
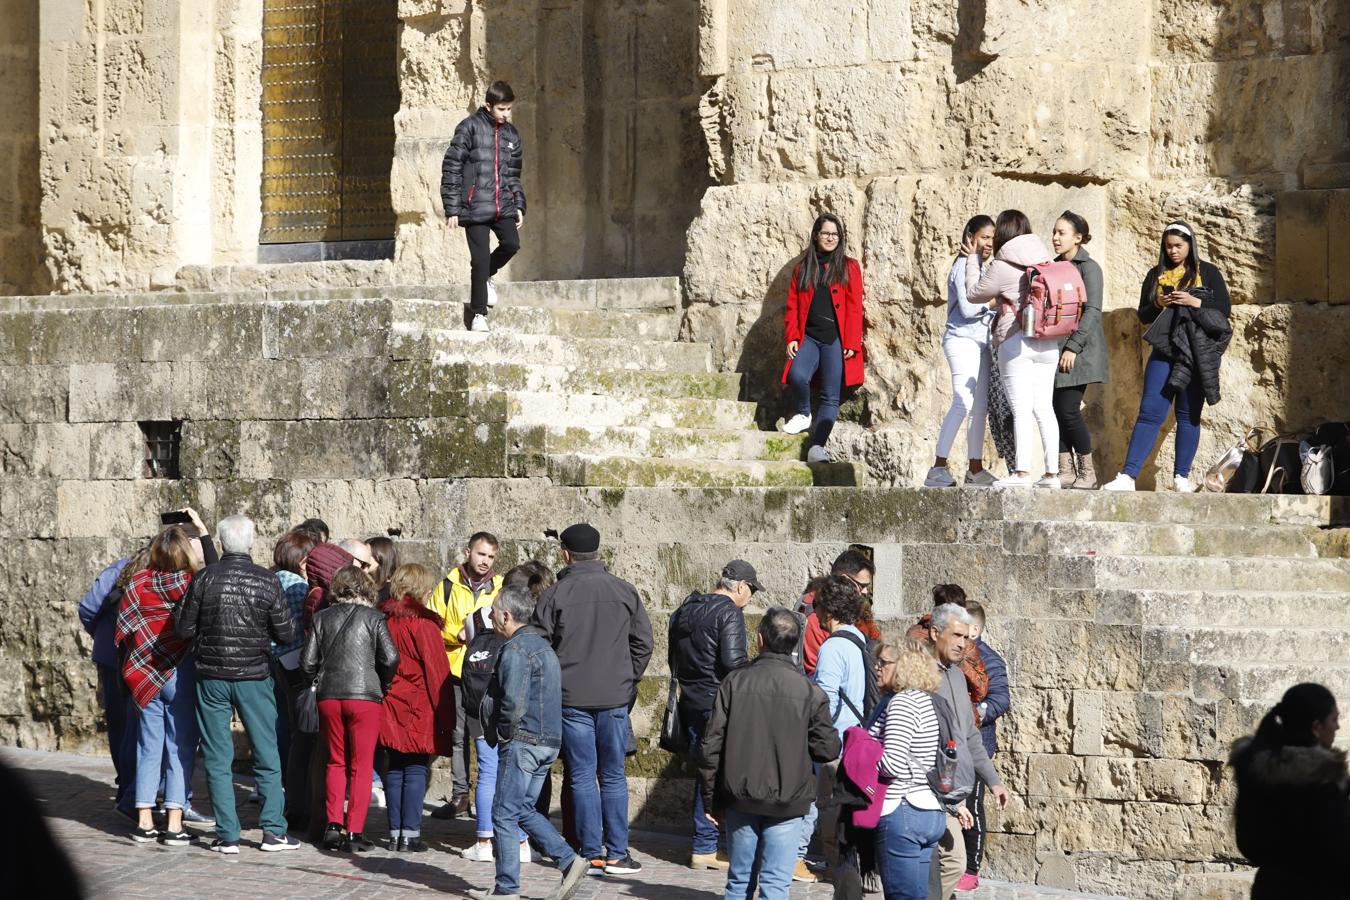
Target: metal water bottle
947 772
1029 320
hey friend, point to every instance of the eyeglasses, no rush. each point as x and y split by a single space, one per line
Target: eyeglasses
863 587
828 234
883 662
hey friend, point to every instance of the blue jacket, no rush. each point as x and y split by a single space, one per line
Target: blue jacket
99 621
997 701
524 698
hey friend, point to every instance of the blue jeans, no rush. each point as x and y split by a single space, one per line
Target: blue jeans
826 360
705 832
521 770
769 842
905 842
486 789
1154 405
405 787
593 742
167 742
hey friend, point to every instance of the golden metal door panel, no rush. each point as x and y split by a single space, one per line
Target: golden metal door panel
330 93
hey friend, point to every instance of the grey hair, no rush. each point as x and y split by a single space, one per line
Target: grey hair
351 545
729 584
517 600
236 534
584 555
949 614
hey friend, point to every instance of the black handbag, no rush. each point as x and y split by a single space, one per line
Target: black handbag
1274 468
674 738
307 701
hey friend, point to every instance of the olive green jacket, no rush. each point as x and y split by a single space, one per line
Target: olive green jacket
1089 341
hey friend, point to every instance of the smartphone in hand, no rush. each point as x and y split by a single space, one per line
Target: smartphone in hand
175 517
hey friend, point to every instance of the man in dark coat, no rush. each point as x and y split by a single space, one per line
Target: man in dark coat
707 643
481 192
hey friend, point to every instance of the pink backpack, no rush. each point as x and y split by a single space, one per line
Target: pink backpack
1055 290
859 766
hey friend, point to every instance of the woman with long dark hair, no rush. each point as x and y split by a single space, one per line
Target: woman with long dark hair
1292 812
1026 364
1082 356
1184 301
823 327
965 343
386 561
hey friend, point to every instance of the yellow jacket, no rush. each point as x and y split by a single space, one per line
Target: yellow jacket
457 608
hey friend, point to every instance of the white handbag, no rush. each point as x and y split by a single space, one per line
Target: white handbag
1317 472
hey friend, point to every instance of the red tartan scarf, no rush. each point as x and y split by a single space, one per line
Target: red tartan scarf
151 650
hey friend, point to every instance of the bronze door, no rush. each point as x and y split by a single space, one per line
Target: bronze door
329 95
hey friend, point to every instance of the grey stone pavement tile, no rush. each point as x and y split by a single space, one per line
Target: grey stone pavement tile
75 793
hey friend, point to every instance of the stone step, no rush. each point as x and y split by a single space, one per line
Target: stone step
1159 508
1264 682
646 325
593 293
1150 539
594 410
1250 574
1231 609
1312 643
664 443
444 346
586 379
622 471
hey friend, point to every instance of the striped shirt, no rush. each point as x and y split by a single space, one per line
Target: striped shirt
908 731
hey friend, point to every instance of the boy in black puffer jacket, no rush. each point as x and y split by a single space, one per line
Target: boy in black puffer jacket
481 192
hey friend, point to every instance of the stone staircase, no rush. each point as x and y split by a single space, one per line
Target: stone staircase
594 388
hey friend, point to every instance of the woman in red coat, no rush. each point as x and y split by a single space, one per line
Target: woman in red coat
823 328
419 710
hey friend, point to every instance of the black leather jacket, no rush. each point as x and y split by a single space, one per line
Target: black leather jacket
707 641
355 662
234 610
480 174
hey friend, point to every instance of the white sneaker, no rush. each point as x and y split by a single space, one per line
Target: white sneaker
1121 482
478 852
479 324
492 293
1183 484
940 477
795 425
377 796
817 454
981 479
1015 481
525 854
1050 484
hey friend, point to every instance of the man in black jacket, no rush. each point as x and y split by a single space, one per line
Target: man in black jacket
481 192
603 640
707 643
234 611
769 723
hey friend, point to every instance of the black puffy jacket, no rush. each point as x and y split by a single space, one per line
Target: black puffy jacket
351 651
707 642
480 175
234 610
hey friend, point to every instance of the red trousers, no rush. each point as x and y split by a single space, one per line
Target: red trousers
351 728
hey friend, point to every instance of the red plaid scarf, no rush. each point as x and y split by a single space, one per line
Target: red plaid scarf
151 650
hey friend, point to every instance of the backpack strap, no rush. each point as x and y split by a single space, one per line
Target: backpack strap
869 672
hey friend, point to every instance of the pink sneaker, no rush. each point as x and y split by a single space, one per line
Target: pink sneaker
968 882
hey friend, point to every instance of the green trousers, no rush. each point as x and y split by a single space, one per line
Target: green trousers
257 706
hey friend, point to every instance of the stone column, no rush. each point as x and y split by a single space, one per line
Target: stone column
20 244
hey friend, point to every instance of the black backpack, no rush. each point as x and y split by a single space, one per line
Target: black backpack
871 693
480 661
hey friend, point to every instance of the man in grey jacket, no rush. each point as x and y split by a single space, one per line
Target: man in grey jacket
949 631
603 640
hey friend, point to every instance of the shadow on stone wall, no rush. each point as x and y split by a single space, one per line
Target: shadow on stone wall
21 270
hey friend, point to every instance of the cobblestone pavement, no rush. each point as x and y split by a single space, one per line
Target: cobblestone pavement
76 794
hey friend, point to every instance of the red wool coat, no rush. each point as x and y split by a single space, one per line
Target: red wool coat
419 710
848 312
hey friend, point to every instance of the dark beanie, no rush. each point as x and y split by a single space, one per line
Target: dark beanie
580 538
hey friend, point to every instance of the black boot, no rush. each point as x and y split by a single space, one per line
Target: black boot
332 836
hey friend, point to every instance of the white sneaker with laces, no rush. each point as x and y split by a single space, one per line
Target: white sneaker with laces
1050 484
492 293
1121 482
1015 481
1183 484
980 479
479 324
940 477
817 454
795 425
478 852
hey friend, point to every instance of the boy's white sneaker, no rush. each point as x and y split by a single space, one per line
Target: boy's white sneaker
492 293
479 324
1121 482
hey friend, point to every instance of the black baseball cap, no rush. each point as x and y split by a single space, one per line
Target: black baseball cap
740 570
580 538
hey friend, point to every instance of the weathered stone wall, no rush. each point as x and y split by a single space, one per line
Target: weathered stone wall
907 118
20 240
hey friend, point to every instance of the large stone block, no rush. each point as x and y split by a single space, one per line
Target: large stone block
1302 233
1077 29
199 331
776 35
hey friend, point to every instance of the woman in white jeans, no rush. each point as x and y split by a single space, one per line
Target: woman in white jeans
1027 365
966 346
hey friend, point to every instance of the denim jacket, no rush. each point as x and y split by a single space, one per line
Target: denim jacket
524 699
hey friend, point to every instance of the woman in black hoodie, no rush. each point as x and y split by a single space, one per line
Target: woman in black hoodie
1292 812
